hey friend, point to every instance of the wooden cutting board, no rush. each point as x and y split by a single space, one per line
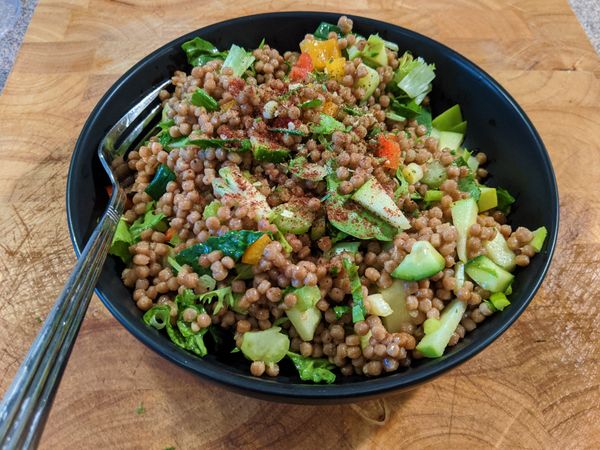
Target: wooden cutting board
538 386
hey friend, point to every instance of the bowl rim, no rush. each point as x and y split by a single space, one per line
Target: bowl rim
296 392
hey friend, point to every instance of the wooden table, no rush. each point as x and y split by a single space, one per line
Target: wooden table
538 386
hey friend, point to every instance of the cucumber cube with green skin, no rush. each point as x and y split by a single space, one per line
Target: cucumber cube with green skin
448 119
464 214
450 139
435 174
395 296
353 52
269 345
374 53
305 322
374 198
307 297
369 82
489 275
488 198
264 150
539 236
292 217
422 262
460 128
499 252
433 344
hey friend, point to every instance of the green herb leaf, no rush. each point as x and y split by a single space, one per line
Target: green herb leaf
301 168
262 43
149 220
358 309
505 199
352 111
203 98
158 185
199 51
341 310
314 103
469 184
223 296
323 30
313 369
121 242
232 244
174 264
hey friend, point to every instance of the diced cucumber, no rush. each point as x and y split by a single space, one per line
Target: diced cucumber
269 345
489 275
374 198
318 228
448 119
450 139
433 344
498 251
395 296
307 297
374 53
435 174
539 236
413 173
364 340
305 322
292 217
435 133
369 82
459 276
211 209
460 128
422 262
353 52
464 214
268 151
487 199
377 305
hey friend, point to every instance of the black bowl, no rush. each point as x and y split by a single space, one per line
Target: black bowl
518 161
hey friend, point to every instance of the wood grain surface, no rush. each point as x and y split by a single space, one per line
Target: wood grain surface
538 386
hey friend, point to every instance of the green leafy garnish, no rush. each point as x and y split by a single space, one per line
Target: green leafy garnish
149 220
301 168
323 30
469 184
199 51
505 199
232 244
314 103
352 111
341 310
358 309
403 187
262 43
203 98
158 185
313 369
121 242
223 296
174 264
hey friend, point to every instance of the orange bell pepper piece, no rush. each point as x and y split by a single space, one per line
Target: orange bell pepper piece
335 68
330 108
255 251
320 51
389 149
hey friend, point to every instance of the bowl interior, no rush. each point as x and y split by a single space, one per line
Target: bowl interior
517 161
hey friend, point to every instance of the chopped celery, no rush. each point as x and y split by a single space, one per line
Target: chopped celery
239 60
450 139
269 346
459 275
364 340
307 297
422 262
430 325
539 236
435 174
434 343
413 173
417 82
499 301
464 214
433 196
